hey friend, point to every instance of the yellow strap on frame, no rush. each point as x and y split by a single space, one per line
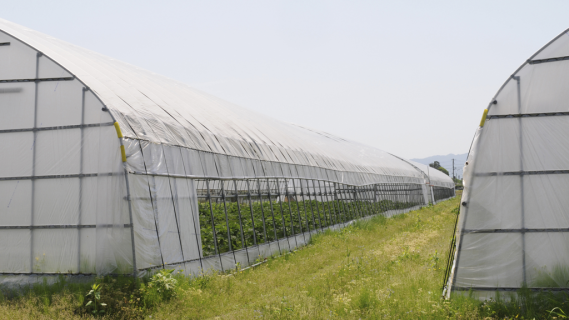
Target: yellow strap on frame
119 134
481 121
123 154
118 128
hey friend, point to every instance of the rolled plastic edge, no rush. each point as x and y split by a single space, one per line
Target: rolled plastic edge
118 128
481 121
123 154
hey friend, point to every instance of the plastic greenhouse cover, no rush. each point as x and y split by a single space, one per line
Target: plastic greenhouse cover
84 197
513 226
160 110
434 176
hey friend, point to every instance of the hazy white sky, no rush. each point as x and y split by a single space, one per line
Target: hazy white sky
408 77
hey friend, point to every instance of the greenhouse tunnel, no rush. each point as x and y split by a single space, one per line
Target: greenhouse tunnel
513 228
110 169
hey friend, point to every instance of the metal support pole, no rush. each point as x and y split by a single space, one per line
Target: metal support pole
346 203
341 212
252 216
298 211
273 216
287 196
174 194
315 200
191 189
230 246
36 92
368 203
335 214
302 193
327 219
213 225
304 206
517 78
154 209
282 212
243 243
79 216
262 211
357 207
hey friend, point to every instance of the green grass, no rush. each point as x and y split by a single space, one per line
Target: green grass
381 268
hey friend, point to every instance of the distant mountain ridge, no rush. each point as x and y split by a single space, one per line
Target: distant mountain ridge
446 162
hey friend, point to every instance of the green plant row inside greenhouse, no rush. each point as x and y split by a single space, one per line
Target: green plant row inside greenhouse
276 209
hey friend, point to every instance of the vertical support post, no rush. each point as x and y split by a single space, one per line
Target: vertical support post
298 211
378 195
282 212
229 238
301 195
213 224
262 210
175 203
334 215
226 217
517 78
273 216
316 200
154 206
134 267
342 213
327 219
368 202
133 247
251 208
287 195
190 189
346 198
81 155
375 197
34 144
357 207
243 243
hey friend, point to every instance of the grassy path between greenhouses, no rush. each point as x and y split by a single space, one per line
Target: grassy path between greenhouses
382 268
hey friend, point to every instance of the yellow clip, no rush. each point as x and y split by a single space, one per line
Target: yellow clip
483 118
123 154
118 128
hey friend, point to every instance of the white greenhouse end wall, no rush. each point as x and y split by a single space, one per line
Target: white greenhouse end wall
62 183
110 169
514 222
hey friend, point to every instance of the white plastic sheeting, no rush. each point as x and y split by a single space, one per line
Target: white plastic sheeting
104 166
514 221
163 111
